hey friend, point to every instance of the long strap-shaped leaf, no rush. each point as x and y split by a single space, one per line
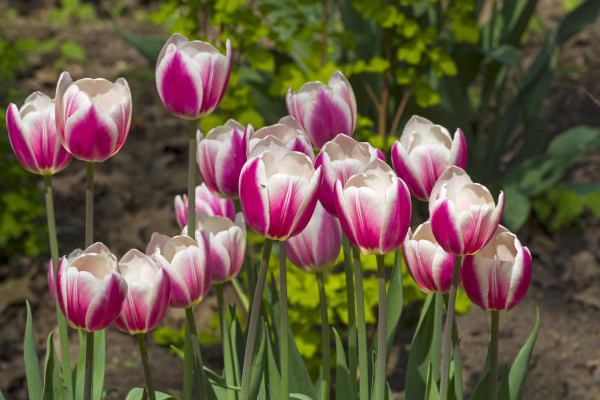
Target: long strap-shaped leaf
35 385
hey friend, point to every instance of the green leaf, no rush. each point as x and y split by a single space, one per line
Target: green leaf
98 364
574 143
431 393
35 384
518 370
343 383
505 54
517 208
79 371
139 393
147 46
2 396
54 386
258 364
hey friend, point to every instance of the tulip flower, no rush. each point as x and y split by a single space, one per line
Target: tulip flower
221 156
318 245
92 116
324 111
497 277
342 158
90 290
428 264
463 214
192 76
33 137
149 292
278 192
374 209
206 202
287 133
423 153
186 262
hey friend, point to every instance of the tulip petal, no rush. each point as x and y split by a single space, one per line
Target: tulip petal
326 117
396 218
444 227
254 197
107 303
90 134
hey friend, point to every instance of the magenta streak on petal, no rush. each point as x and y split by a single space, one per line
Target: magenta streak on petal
446 266
365 219
306 213
473 287
498 285
253 196
89 135
230 161
299 252
160 300
341 206
518 292
396 217
401 165
207 155
178 89
107 303
444 228
327 119
472 232
122 122
417 267
17 139
282 209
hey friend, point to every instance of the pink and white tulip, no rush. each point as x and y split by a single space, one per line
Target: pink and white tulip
342 158
149 293
92 116
423 153
428 264
186 262
278 192
287 133
463 214
192 76
33 137
226 242
206 202
374 209
90 290
324 111
221 156
498 276
318 245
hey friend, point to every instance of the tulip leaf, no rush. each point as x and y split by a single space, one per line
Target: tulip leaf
456 371
216 385
140 393
79 371
343 383
503 392
505 54
258 364
54 386
2 396
431 391
518 370
517 207
32 370
272 374
481 388
238 344
98 364
147 46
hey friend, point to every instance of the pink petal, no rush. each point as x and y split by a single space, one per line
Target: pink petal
90 134
254 197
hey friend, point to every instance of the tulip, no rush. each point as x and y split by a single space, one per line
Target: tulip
463 214
318 245
278 192
206 202
324 110
226 243
221 156
186 263
423 153
374 209
342 158
428 264
149 292
90 290
287 133
192 76
92 116
33 137
497 277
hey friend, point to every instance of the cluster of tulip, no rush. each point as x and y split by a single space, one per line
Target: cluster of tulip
310 204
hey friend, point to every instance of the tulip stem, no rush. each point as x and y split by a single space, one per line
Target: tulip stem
89 363
191 325
363 360
254 314
227 359
89 204
447 336
381 331
62 321
283 331
240 293
192 168
146 364
494 355
351 312
326 341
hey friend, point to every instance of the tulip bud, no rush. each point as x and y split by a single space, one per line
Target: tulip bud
498 276
206 202
423 153
286 133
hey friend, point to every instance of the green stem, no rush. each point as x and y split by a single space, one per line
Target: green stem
89 204
381 331
447 337
240 293
146 364
62 321
254 314
363 360
227 359
494 355
188 365
351 312
284 346
89 363
326 342
199 368
192 168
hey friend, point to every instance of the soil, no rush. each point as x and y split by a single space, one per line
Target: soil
134 197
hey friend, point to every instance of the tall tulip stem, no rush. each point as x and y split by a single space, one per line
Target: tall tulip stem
326 382
447 336
89 364
199 367
227 359
89 204
363 360
283 331
62 321
494 355
254 314
146 364
192 168
351 311
381 330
